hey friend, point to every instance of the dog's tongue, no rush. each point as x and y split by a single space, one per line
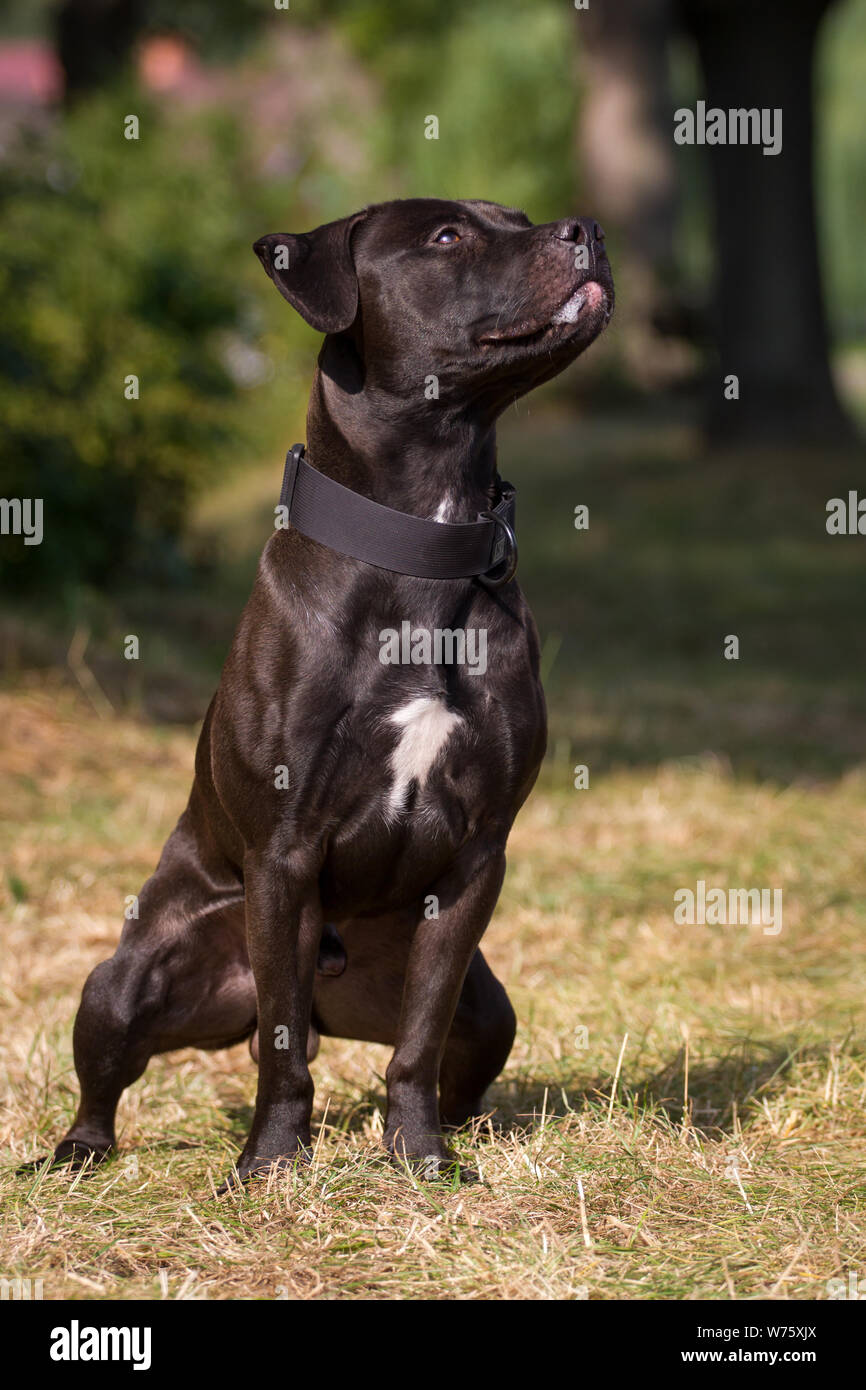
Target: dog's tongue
590 293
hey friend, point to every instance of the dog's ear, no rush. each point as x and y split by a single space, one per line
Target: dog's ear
315 272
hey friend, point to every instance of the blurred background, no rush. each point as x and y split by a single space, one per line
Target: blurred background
707 516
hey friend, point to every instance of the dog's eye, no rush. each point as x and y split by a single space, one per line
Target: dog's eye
446 237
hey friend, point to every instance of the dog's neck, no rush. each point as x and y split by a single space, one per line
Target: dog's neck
419 456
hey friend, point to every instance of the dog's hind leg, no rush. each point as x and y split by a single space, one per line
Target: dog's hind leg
478 1046
364 1003
180 977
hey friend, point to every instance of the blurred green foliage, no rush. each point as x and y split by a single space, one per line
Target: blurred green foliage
124 257
500 78
841 167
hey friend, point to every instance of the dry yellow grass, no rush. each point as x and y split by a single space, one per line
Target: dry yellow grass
727 1162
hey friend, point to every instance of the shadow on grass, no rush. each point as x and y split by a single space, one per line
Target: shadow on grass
715 1097
718 1098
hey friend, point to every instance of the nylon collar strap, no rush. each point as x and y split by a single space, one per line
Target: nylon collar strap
345 521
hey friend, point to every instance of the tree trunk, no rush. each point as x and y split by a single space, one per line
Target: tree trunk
94 40
628 169
769 309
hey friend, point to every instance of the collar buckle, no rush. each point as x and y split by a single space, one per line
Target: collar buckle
503 557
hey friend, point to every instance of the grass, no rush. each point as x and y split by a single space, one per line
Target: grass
742 1179
682 1116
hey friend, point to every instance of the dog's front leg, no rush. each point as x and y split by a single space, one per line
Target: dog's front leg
284 924
438 960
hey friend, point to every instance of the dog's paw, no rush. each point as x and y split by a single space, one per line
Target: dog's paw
72 1154
258 1169
34 1165
431 1168
437 1166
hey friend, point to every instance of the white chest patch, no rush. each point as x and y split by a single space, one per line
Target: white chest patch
426 727
444 510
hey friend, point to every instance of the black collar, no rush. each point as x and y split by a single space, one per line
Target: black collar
336 516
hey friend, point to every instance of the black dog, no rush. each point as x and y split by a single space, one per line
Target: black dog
332 790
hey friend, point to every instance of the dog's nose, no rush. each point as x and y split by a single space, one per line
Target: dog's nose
583 231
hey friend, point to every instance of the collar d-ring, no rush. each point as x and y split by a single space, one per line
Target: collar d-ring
503 558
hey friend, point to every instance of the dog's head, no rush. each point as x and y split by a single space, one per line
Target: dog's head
470 292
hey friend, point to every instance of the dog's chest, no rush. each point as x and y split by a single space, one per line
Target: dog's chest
425 727
392 767
424 787
438 768
452 746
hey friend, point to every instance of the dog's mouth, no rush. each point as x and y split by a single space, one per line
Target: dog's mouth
568 317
